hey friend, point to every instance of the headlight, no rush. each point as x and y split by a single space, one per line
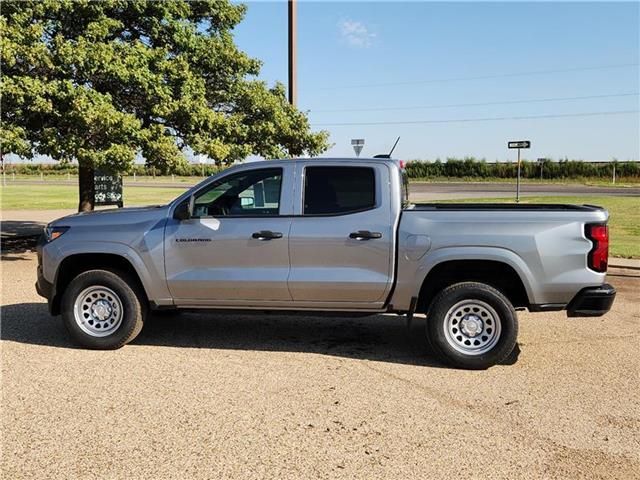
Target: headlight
51 233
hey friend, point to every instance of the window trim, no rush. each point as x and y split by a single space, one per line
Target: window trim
245 172
342 214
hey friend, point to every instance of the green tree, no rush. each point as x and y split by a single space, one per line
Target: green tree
103 81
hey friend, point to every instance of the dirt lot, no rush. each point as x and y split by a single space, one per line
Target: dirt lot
221 396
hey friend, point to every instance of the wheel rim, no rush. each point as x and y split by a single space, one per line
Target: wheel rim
472 327
98 311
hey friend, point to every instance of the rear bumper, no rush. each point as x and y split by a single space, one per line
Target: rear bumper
592 301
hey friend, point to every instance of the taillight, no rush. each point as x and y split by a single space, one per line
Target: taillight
599 255
402 164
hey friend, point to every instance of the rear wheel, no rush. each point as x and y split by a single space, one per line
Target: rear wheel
472 325
103 309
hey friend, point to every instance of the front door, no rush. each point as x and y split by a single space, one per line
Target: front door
341 243
235 247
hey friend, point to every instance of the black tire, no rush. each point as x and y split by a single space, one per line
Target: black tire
476 304
127 293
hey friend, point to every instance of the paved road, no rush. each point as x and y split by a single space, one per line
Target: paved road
434 191
233 396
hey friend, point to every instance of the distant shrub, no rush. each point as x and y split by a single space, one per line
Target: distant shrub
472 168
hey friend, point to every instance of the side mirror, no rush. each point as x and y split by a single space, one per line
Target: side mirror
184 211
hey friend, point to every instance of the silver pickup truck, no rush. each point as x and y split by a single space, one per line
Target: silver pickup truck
327 235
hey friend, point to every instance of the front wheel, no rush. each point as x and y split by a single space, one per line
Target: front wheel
472 325
103 309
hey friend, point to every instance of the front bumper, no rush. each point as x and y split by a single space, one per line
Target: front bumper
592 301
44 288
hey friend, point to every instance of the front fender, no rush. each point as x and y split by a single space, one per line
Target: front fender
152 279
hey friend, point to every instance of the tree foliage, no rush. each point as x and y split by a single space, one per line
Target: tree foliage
103 81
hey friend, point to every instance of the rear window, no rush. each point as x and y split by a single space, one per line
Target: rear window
338 190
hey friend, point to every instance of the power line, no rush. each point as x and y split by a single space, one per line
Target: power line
486 119
481 77
483 104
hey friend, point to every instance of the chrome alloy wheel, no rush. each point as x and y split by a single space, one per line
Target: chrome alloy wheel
98 311
472 327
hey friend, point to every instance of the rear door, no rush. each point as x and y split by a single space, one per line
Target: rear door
341 239
235 248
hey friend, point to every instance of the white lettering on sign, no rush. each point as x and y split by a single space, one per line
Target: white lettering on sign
519 144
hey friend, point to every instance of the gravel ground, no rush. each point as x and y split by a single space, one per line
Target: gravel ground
231 396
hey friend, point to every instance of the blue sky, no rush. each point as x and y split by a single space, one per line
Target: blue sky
376 62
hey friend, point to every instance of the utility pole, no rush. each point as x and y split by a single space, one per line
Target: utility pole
293 90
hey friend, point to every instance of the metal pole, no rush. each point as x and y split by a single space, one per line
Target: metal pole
614 173
518 180
541 167
293 90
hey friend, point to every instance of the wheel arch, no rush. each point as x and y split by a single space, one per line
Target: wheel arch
499 274
74 264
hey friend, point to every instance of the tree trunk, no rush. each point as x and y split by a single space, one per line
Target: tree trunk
86 188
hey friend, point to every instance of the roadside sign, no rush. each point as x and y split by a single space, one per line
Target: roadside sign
108 189
519 144
357 144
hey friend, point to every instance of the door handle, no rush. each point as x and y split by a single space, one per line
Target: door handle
266 235
365 235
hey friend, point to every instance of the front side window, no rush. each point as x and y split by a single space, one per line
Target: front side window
252 193
338 190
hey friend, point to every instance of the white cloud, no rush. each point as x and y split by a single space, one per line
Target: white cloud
356 34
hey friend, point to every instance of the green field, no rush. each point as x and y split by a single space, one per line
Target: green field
57 197
624 220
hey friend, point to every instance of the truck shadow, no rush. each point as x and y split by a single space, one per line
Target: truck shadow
379 338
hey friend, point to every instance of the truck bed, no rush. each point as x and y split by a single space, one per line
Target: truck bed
545 244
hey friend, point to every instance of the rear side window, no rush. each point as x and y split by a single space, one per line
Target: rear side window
338 190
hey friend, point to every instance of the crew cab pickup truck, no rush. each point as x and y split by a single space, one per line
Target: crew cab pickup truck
327 235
